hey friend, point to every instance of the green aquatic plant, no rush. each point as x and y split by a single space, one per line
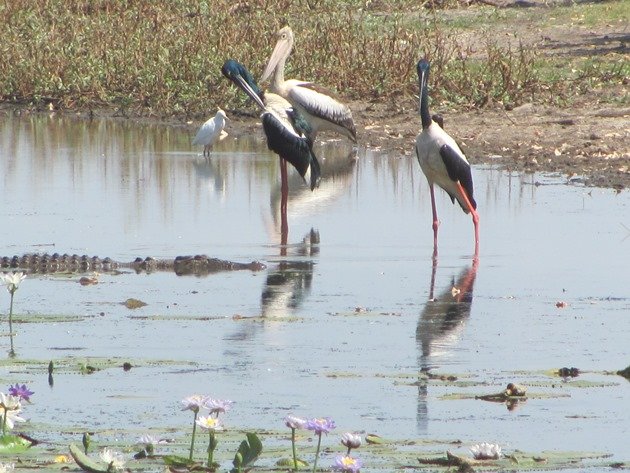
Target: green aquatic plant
247 453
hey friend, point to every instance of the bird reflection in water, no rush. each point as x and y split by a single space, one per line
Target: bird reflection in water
337 171
440 327
288 284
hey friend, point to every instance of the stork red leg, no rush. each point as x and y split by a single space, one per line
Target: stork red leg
473 213
436 222
284 197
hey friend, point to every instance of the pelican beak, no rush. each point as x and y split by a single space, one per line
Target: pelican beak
281 51
242 83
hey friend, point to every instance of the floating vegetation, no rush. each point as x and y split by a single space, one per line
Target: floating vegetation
85 365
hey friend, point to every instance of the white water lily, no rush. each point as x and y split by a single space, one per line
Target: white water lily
10 408
112 458
12 280
7 467
351 440
486 451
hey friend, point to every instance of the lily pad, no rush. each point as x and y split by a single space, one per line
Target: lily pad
85 462
12 444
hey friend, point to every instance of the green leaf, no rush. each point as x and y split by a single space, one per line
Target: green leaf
177 461
248 452
11 444
85 462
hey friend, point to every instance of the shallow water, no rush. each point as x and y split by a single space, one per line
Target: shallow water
346 324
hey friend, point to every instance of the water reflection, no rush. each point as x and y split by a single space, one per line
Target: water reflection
337 169
289 282
440 327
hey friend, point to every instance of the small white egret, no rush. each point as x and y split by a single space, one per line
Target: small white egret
211 132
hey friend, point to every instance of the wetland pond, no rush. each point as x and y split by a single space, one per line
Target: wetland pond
351 319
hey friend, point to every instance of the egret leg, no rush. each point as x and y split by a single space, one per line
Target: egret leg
284 197
473 213
436 222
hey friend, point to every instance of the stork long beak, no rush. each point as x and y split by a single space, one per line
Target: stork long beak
242 83
281 51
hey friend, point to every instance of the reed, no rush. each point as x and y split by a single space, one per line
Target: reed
163 58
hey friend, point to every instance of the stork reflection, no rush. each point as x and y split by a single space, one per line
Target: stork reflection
440 327
289 282
337 171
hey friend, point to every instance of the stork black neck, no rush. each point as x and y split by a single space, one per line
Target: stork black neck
425 116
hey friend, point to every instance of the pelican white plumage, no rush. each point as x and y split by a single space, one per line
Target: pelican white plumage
442 161
318 104
211 132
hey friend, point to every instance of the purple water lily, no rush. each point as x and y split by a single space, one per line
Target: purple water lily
321 425
21 391
348 464
217 406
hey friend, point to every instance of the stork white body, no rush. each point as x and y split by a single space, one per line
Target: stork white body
317 104
211 132
428 145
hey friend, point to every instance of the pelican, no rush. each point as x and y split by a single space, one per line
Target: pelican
211 132
318 105
442 162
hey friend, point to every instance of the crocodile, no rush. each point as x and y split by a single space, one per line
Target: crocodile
198 265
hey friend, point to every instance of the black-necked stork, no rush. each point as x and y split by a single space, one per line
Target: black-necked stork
211 132
442 161
286 130
288 134
318 105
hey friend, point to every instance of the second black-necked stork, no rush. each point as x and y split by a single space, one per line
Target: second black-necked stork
318 105
442 161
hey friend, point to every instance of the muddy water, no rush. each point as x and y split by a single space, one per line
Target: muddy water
340 323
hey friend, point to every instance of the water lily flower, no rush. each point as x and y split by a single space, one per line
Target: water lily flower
209 423
212 425
21 392
194 402
217 406
351 441
348 464
320 425
7 467
10 408
12 280
486 451
294 422
114 459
